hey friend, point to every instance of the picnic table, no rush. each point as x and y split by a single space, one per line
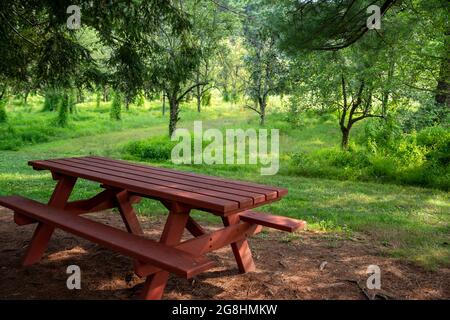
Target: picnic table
124 184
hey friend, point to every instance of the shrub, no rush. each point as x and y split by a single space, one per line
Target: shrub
420 159
98 99
52 100
3 116
116 107
63 111
140 99
156 148
206 99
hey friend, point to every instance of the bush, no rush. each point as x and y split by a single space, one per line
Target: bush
98 99
3 117
421 159
206 99
156 148
116 107
52 100
63 111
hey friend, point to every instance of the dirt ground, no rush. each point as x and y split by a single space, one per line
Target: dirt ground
305 266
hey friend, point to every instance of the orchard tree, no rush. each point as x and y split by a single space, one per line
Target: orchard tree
266 67
37 34
173 66
210 26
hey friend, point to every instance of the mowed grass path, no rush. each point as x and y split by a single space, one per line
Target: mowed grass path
409 223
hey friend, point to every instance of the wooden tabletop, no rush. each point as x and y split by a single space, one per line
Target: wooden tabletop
217 195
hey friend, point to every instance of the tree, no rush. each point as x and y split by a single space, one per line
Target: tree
232 72
210 26
172 67
358 82
62 60
322 24
265 64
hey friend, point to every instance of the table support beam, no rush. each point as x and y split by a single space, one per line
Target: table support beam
43 232
241 249
173 231
208 243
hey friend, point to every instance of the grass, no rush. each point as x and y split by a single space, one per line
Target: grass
410 223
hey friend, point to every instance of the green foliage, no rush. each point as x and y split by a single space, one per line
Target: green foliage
140 99
52 100
116 107
3 116
63 111
98 99
417 159
154 149
428 114
206 99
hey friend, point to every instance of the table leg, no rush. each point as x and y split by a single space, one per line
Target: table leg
127 213
43 232
241 249
173 231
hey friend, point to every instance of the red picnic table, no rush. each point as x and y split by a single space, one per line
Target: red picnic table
124 184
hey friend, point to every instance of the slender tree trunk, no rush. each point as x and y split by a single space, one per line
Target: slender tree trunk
262 110
25 97
164 104
127 103
198 93
443 84
199 100
80 96
173 102
105 93
442 96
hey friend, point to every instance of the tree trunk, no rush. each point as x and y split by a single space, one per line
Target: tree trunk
199 93
345 137
105 93
25 97
199 100
127 103
164 104
443 86
173 102
80 96
262 110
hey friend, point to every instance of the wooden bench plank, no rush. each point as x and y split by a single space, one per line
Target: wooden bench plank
272 221
194 199
270 189
162 256
151 172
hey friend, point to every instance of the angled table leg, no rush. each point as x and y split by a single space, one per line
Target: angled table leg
127 213
241 249
173 231
129 217
43 232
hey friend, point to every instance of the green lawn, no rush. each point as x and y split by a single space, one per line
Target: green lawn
410 223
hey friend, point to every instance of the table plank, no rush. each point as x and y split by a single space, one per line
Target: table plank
217 195
157 178
129 175
147 189
250 186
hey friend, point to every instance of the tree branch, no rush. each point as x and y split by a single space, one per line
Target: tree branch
190 89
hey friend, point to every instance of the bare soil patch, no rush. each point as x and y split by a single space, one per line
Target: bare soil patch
305 266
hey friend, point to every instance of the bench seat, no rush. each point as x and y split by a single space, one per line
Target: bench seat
167 258
272 221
